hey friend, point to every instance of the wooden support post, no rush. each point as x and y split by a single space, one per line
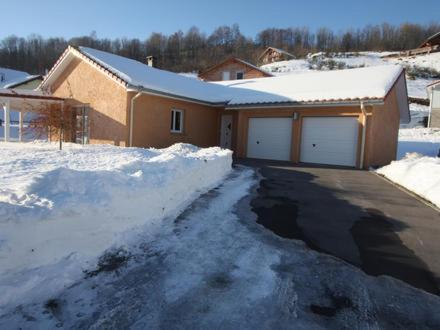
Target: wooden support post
7 120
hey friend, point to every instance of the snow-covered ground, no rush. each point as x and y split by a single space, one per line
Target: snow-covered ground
60 210
215 267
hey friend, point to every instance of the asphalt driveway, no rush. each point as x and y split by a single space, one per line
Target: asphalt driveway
354 215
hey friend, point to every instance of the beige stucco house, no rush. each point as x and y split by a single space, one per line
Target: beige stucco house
347 117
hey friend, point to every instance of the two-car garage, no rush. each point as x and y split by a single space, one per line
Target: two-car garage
323 140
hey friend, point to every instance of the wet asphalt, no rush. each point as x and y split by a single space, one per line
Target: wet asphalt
354 215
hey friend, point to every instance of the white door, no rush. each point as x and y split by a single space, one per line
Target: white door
269 138
329 140
226 75
226 132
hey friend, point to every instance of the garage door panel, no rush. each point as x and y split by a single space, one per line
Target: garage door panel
329 140
269 138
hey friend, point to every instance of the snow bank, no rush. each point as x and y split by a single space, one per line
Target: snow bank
59 210
416 173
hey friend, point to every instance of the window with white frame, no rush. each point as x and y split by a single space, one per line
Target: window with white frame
239 75
176 121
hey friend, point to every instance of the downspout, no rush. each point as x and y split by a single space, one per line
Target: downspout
132 117
364 132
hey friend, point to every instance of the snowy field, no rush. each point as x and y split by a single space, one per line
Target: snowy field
60 210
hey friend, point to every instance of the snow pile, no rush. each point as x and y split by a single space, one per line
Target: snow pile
417 173
353 84
59 210
424 141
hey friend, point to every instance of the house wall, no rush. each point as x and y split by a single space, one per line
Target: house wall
108 117
216 74
152 123
381 134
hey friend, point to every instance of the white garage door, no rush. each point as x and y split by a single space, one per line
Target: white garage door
329 140
269 138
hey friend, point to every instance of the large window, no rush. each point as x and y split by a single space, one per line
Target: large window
82 125
176 121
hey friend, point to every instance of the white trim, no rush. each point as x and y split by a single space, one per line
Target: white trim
173 119
304 105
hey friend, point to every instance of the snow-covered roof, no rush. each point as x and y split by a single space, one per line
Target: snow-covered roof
9 77
323 86
135 75
316 87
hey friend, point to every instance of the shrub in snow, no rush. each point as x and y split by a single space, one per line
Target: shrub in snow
414 71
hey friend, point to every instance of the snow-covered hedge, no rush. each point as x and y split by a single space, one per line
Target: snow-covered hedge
57 207
417 173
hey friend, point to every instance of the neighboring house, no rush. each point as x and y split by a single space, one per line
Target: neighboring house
434 106
430 45
18 79
13 79
232 69
345 117
272 54
433 41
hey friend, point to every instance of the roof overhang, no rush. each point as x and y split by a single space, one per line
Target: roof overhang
63 62
148 91
27 100
318 104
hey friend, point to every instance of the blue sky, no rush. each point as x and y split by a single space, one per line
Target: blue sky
136 18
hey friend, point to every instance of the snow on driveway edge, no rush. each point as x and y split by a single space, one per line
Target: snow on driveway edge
417 173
